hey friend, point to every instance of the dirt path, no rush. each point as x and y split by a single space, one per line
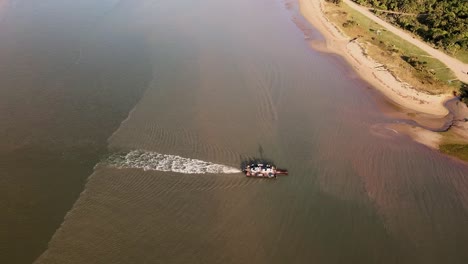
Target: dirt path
459 68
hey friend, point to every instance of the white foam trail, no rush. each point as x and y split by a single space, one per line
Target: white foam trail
162 162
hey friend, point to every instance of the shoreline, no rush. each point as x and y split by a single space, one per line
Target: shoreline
335 41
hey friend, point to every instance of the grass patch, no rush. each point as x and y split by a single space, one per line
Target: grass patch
453 145
408 62
462 55
458 150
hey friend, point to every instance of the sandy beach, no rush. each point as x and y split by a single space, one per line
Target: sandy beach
353 52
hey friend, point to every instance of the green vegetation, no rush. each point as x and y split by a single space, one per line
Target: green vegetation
408 62
464 93
458 150
454 144
443 23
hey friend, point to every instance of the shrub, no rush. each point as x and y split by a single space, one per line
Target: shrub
464 93
349 23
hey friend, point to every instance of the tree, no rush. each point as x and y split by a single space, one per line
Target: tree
443 23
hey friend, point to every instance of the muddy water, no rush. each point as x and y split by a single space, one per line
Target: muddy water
67 80
228 80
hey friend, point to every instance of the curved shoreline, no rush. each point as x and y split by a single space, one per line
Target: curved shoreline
371 71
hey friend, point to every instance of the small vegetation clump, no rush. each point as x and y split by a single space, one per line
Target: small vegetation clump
349 23
464 93
415 62
457 150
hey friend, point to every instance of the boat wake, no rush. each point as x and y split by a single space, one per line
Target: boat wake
153 161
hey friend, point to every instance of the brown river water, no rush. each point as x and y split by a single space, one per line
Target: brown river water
217 81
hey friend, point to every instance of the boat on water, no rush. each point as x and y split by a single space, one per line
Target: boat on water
263 170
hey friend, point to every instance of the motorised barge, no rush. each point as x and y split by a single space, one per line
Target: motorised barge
263 170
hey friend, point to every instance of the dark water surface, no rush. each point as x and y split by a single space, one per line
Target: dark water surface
218 81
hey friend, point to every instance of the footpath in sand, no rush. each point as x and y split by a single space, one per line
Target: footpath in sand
399 92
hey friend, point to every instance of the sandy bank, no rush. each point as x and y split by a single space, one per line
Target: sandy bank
371 71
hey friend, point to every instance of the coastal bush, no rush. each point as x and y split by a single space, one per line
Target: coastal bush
426 76
464 93
349 23
336 2
415 62
443 23
457 150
